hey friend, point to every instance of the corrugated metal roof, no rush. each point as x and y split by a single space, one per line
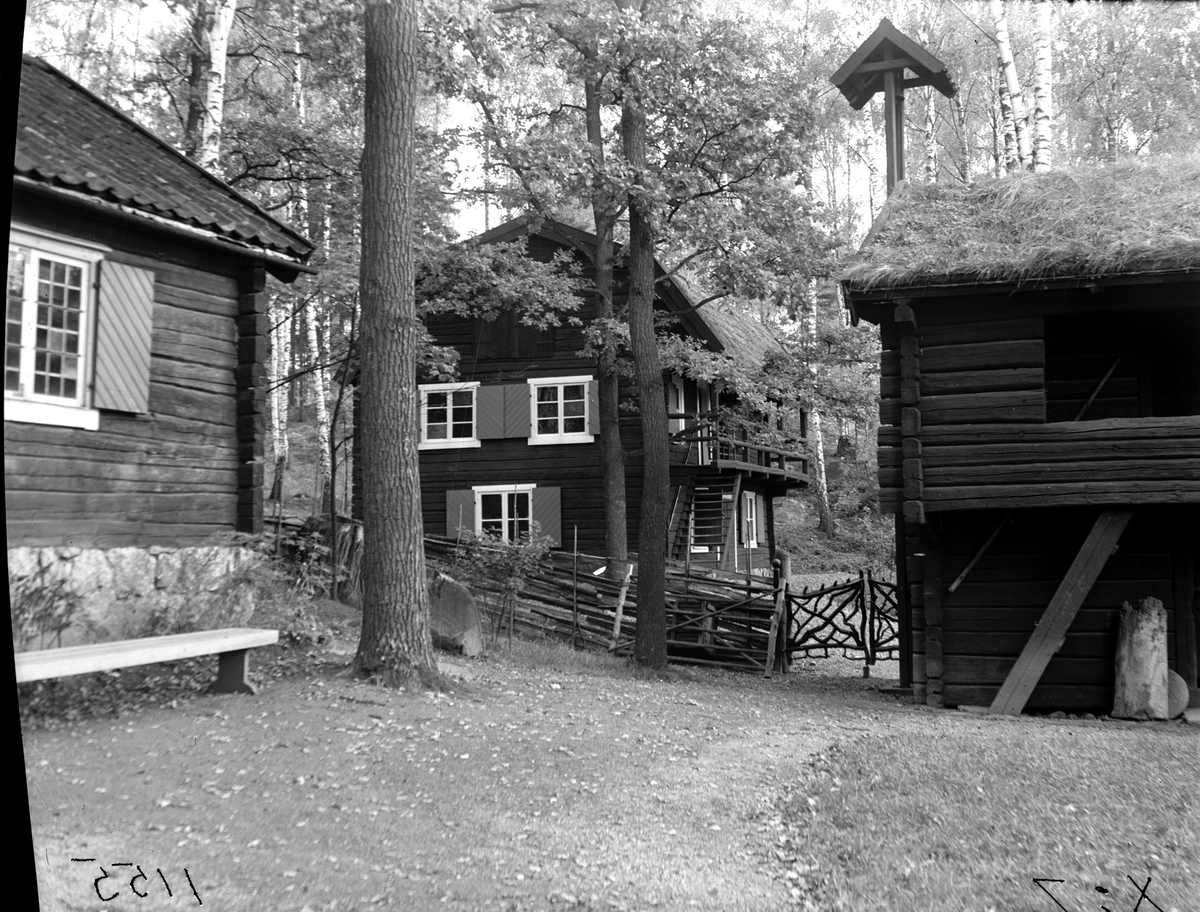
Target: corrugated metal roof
70 139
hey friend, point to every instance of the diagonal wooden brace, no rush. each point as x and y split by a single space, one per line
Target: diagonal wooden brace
1048 636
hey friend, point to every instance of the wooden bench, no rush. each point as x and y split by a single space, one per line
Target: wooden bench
232 645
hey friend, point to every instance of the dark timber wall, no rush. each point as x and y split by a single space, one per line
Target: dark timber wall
986 622
192 465
981 401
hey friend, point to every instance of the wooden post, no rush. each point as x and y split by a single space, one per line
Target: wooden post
1051 631
616 634
575 590
1140 690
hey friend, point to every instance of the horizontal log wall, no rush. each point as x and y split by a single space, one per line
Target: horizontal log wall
1114 461
170 476
988 619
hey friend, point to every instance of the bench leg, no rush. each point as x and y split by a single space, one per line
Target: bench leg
233 673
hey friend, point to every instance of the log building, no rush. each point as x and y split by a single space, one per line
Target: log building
137 330
1040 424
515 440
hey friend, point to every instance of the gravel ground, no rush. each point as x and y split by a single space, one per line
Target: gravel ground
523 788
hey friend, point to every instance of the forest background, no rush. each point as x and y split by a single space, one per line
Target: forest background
764 179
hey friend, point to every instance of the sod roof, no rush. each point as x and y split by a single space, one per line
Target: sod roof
1135 217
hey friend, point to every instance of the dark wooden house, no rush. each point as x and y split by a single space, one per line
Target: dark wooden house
515 440
1040 438
134 385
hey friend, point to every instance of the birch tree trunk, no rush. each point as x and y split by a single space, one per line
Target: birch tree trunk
212 20
612 454
395 644
1043 117
1009 128
281 359
817 478
1009 69
650 644
930 137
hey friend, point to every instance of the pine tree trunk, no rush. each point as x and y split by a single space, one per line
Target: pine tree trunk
612 453
395 644
1009 70
650 644
1043 105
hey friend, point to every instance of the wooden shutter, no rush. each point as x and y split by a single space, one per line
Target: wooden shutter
593 406
460 514
489 412
547 513
516 409
123 325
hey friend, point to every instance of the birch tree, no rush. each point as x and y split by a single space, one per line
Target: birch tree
1012 85
1043 107
212 21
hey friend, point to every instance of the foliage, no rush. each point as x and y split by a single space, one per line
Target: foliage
509 563
42 608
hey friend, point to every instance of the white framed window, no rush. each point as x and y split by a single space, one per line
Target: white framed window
750 513
675 405
449 413
49 330
504 511
560 410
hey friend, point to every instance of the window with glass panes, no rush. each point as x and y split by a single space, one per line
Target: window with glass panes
505 514
450 414
561 409
44 326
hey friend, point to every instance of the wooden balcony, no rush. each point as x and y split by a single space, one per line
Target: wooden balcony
708 445
982 466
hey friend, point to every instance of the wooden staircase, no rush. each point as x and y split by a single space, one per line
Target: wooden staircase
707 509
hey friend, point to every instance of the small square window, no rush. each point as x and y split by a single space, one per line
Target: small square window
561 410
448 415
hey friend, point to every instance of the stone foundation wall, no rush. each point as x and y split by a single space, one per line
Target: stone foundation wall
119 593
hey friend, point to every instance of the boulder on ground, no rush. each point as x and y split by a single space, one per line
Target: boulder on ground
1177 695
453 617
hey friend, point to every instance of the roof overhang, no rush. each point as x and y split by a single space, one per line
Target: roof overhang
281 266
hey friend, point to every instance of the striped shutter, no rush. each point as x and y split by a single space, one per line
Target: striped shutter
460 514
517 397
489 412
593 407
547 513
123 326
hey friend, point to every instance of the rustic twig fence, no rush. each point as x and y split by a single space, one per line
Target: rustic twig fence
714 618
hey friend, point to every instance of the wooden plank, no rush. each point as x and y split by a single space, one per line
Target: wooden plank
72 660
1077 698
1024 406
1061 472
1050 495
975 356
1052 629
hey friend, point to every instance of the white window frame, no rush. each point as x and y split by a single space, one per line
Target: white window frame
24 405
750 528
448 443
536 439
481 490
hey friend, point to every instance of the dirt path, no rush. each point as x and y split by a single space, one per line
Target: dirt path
523 789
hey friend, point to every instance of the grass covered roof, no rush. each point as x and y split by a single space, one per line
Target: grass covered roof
1140 216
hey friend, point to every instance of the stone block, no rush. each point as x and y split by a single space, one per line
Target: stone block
1140 690
453 616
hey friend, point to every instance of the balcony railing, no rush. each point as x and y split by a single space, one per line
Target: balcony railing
730 444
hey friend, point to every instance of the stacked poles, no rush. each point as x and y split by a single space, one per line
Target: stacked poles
714 618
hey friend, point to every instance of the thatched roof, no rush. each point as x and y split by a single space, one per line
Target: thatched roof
741 335
1136 217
